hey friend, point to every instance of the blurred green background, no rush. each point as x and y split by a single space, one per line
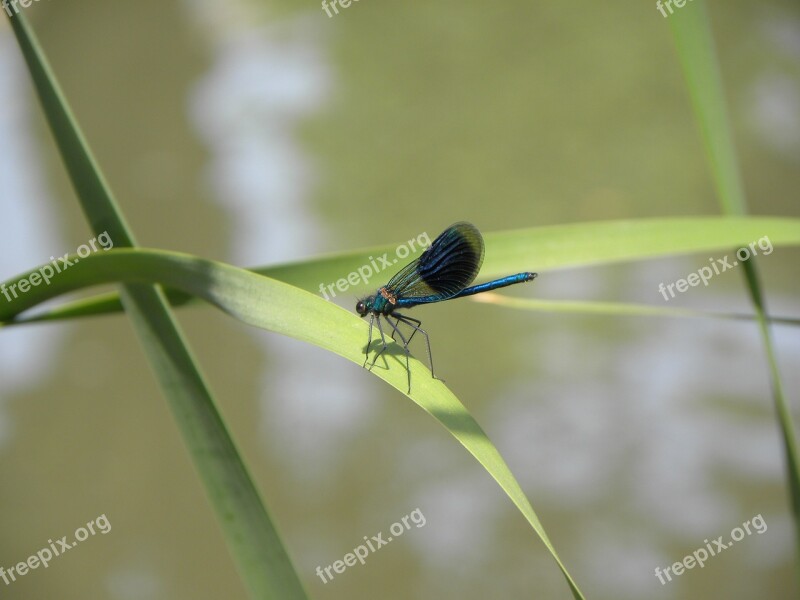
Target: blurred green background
260 132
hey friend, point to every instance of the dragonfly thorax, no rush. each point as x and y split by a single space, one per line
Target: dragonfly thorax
382 303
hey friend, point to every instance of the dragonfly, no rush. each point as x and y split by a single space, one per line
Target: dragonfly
442 272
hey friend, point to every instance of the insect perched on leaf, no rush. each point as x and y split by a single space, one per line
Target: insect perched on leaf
442 272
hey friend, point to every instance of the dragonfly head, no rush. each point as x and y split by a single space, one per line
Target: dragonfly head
363 306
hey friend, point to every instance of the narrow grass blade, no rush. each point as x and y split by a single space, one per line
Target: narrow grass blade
691 30
260 556
615 309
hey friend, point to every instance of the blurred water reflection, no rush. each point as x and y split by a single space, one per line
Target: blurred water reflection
28 228
634 438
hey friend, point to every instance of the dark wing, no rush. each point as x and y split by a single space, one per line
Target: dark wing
449 265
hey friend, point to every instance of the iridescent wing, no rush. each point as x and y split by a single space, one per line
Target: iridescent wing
448 266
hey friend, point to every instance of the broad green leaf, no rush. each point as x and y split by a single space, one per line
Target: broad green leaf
285 309
538 248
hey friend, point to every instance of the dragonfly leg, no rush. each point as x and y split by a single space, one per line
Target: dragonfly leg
405 345
369 342
415 324
383 342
